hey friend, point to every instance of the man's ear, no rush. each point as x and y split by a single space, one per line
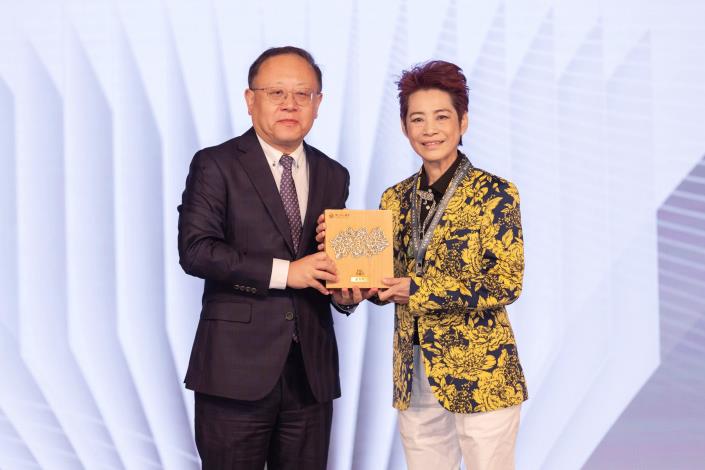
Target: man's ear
316 103
249 100
464 123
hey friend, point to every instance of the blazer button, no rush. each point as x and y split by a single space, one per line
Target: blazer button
253 290
289 316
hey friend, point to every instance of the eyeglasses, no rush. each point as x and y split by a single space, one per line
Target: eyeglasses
277 95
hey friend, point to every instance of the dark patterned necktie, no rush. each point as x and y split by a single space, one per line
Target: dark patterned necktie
287 190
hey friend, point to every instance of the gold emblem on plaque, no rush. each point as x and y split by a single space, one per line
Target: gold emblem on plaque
359 276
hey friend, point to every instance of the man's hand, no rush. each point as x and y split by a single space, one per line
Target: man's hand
352 296
321 232
398 291
309 270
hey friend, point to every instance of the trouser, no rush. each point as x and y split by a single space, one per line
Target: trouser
435 438
287 429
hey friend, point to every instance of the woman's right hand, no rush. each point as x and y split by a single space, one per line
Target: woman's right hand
398 290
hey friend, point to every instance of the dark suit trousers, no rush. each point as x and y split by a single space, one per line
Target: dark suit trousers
287 429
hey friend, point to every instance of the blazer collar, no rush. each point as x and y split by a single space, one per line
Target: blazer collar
256 165
317 184
273 155
408 191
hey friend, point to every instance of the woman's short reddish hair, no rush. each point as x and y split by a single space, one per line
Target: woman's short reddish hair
437 74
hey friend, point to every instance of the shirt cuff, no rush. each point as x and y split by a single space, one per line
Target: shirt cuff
347 309
280 271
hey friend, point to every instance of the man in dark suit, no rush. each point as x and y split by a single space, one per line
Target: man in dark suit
264 364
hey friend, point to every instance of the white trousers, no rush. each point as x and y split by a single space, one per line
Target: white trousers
435 438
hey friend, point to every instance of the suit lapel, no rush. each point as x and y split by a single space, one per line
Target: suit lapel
456 201
255 164
462 192
317 175
405 223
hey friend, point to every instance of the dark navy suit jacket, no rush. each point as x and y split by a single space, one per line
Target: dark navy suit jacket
231 225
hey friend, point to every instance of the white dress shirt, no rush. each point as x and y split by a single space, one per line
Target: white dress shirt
299 171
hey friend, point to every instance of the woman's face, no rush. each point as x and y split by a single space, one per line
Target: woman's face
432 125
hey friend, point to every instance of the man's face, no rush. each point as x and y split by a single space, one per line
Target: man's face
283 125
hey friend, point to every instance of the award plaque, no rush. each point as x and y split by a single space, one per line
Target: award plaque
360 243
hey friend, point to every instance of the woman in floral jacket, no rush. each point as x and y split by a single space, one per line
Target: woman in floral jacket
459 260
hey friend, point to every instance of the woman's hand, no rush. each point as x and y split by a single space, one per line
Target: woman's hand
398 291
352 296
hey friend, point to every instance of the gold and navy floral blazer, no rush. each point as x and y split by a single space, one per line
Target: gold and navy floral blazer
473 268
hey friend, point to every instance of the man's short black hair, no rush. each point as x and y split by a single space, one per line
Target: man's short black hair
275 51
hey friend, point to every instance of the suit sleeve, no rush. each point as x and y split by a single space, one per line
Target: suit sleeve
491 279
203 251
346 190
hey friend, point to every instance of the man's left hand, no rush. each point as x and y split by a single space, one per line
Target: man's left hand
321 232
